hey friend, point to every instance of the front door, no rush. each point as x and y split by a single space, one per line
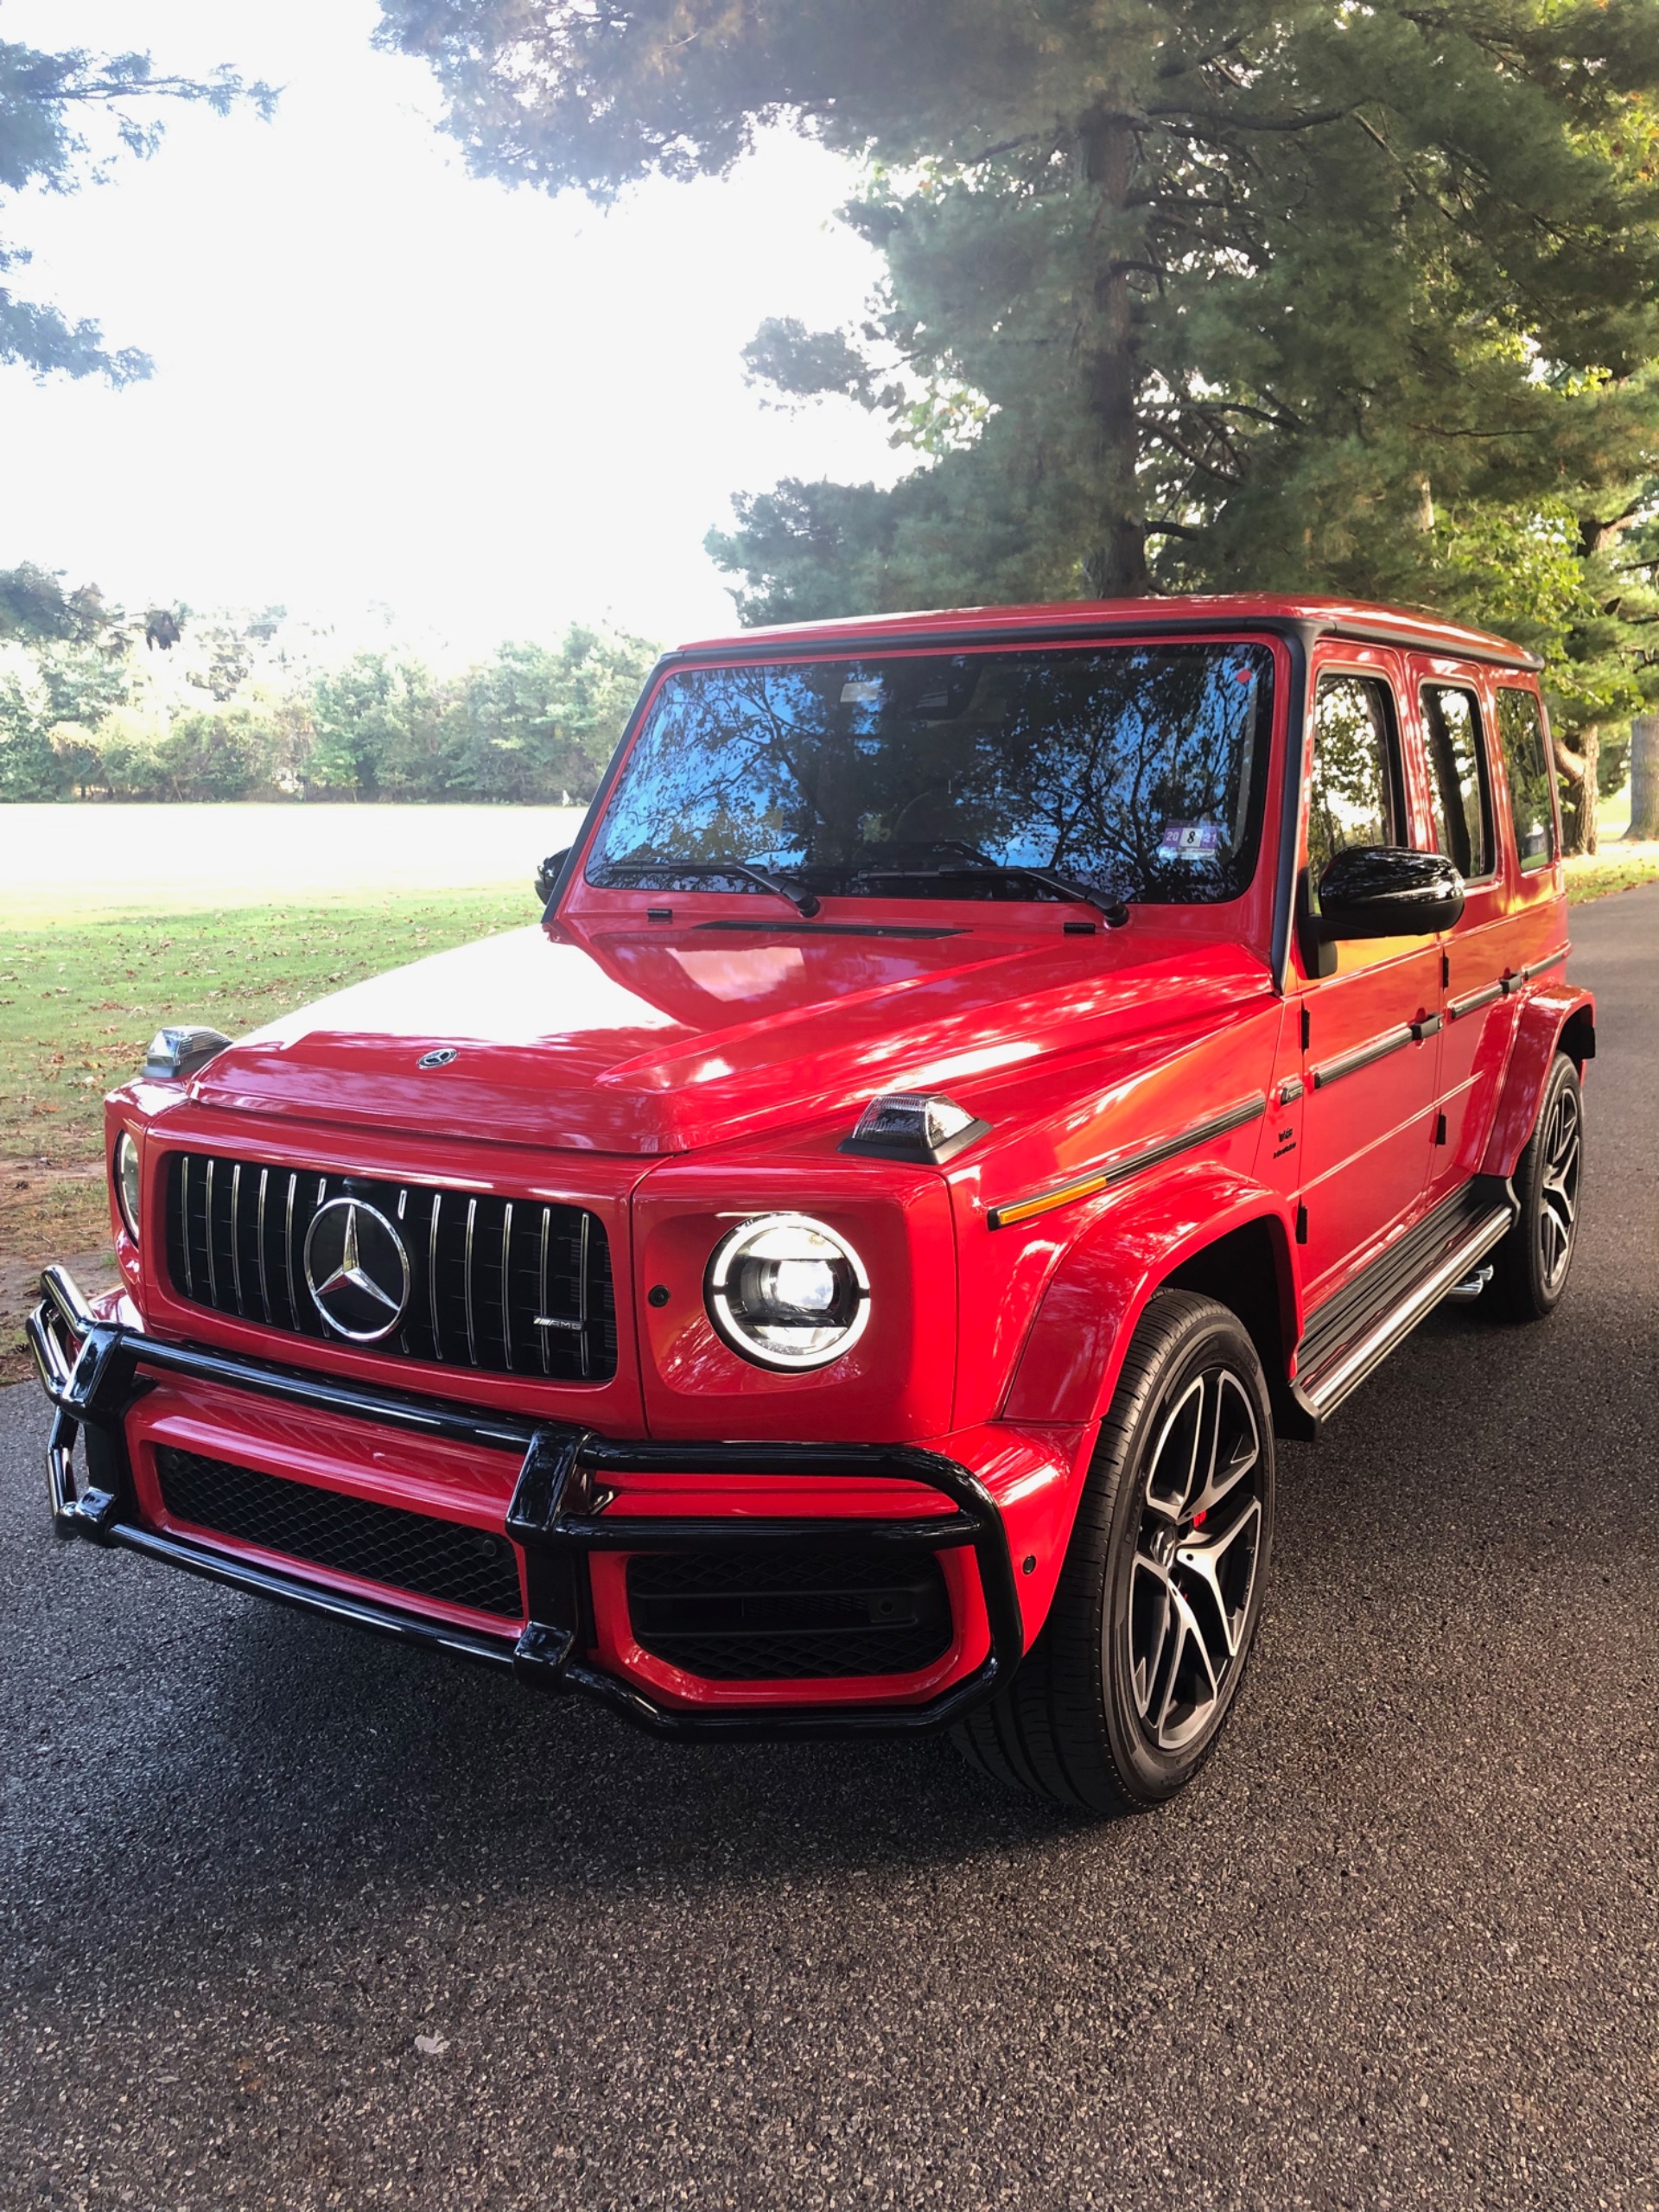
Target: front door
1369 1058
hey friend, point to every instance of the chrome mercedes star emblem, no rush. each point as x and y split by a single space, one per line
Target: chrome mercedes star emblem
356 1269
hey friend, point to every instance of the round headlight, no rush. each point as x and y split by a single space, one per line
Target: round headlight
126 1181
787 1292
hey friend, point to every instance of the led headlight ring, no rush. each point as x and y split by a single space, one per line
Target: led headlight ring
787 1293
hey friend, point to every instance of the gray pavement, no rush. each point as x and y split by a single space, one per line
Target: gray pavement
292 1919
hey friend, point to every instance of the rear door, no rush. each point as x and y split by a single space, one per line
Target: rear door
1455 719
1369 1061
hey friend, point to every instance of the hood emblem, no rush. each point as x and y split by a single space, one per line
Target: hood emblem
356 1269
441 1058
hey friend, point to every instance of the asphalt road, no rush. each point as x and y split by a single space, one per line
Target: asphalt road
293 1919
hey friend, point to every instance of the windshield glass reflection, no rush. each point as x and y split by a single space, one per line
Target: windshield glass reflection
1128 773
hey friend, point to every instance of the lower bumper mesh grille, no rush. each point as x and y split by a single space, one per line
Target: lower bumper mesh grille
783 1617
353 1535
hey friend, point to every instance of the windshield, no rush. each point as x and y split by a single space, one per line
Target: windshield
1126 772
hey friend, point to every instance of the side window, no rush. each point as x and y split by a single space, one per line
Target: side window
1526 758
1463 815
1354 795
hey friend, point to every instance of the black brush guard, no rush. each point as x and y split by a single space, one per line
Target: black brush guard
556 1515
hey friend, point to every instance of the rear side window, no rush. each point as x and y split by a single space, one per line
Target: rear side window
1525 759
1353 797
1462 819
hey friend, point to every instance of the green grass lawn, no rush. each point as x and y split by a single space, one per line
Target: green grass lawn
1611 870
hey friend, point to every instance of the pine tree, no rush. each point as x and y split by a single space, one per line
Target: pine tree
53 107
1177 294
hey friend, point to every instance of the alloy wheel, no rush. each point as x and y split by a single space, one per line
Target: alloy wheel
1558 1188
1196 1554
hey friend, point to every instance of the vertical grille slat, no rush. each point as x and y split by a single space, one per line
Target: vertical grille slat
582 1291
259 1242
288 1250
510 1285
540 1302
184 1237
236 1237
432 1275
466 1280
506 1285
213 1272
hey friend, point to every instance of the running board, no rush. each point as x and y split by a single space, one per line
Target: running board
1336 1369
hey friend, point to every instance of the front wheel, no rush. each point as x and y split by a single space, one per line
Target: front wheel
1121 1697
1530 1266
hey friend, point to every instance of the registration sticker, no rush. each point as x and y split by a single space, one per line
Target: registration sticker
861 691
1190 841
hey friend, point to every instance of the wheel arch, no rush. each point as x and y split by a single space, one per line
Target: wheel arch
1207 1230
1550 1021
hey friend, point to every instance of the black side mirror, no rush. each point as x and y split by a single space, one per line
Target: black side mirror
1383 891
548 874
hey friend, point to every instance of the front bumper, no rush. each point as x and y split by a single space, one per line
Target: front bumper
94 1371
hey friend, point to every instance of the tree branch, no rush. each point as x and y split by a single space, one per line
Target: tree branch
1310 121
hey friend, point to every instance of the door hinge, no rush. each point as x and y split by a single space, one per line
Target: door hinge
1439 1128
1446 971
1301 1224
1307 1028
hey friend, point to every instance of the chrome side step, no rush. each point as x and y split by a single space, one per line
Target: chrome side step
1346 1365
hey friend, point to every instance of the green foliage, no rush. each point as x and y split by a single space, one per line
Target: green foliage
63 117
28 767
1178 295
34 607
1218 281
374 720
235 710
535 723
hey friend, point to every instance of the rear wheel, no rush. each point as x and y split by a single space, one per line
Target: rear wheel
1122 1698
1530 1266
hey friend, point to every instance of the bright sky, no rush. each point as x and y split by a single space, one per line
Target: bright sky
380 382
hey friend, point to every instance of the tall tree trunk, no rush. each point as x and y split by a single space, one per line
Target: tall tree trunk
1644 777
1117 567
1590 792
1579 815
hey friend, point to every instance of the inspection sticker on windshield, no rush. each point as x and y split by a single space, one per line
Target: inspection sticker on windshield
1191 840
861 691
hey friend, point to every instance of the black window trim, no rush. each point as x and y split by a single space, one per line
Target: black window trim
1523 867
1494 873
1392 738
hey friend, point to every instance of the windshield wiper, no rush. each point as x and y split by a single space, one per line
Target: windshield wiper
1114 910
808 904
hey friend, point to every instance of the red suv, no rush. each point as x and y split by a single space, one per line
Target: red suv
979 1078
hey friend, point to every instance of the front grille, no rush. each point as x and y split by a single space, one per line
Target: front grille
380 1543
741 1616
510 1285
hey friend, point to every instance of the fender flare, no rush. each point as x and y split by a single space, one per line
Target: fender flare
1549 1020
1069 1365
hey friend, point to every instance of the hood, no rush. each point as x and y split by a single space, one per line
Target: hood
648 1041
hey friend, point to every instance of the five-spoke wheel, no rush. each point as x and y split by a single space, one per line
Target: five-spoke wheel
1558 1208
1121 1697
1196 1552
1531 1265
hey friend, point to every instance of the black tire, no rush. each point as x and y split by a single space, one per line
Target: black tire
1531 1265
1106 1711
